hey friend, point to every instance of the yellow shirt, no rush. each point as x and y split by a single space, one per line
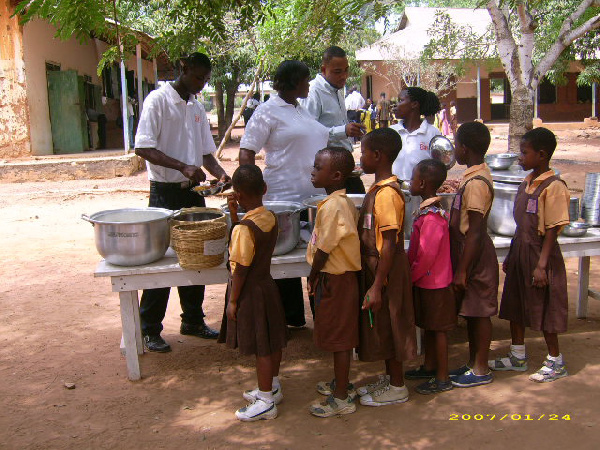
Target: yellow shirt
241 246
553 202
388 211
477 195
335 233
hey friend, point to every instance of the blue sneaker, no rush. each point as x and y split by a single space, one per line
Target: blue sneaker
457 372
469 379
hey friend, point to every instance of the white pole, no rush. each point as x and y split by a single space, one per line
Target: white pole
124 108
140 90
478 93
593 99
535 104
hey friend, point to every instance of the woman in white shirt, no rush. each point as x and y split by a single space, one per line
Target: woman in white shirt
290 138
416 133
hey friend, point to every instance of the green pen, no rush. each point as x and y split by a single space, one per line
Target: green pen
370 314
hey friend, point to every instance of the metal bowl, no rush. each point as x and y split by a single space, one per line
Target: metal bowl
288 220
131 236
442 149
501 161
312 202
575 229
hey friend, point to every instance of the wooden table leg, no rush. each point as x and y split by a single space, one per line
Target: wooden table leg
584 284
129 311
139 343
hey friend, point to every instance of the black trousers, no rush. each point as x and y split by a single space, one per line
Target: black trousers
153 305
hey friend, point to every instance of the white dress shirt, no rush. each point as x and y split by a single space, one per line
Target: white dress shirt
415 148
177 128
354 101
290 138
326 105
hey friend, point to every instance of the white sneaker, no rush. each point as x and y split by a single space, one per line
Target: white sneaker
259 410
383 380
252 396
386 395
333 407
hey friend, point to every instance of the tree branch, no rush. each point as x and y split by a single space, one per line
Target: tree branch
507 48
565 38
527 26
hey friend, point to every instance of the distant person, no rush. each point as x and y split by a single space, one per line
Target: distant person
354 103
326 104
383 111
174 138
444 123
251 106
453 118
370 116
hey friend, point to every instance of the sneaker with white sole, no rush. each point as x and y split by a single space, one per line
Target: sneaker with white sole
509 362
386 395
258 410
382 380
470 379
333 407
550 371
252 395
327 388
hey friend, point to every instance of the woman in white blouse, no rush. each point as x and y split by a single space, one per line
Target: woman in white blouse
290 138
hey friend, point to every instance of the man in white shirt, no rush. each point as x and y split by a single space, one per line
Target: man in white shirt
354 103
325 102
174 138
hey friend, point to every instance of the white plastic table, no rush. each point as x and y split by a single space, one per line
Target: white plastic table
166 272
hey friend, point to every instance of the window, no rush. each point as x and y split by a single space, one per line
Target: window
546 92
584 94
370 87
52 66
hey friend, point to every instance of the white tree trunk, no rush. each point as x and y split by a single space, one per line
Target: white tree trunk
521 116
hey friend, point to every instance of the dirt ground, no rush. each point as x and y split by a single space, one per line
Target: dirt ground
59 324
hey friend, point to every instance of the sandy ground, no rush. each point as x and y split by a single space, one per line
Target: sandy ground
59 324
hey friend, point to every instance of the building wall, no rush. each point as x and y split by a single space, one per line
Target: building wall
14 115
40 46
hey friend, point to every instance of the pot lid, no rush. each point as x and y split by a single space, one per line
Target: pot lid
513 175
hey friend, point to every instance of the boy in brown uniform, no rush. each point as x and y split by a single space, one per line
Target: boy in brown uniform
474 259
387 322
535 288
334 254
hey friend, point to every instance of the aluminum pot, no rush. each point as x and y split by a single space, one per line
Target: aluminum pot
412 205
312 202
288 220
131 236
501 220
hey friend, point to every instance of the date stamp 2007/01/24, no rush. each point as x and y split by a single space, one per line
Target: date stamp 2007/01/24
507 417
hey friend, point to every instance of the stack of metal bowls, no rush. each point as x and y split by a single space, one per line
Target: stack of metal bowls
590 203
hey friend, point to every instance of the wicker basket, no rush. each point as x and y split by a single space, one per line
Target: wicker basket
199 245
198 210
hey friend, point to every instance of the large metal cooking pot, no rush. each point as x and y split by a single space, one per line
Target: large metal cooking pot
288 220
412 205
312 202
131 236
501 220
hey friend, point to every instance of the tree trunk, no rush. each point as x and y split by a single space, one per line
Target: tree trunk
220 109
231 90
521 116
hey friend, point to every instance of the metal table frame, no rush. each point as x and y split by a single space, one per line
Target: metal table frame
167 273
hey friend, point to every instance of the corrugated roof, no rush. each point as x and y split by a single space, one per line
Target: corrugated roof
410 41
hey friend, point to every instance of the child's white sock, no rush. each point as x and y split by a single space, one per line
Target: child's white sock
276 383
518 351
558 359
397 388
265 396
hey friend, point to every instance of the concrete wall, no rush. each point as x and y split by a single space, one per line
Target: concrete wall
40 46
14 115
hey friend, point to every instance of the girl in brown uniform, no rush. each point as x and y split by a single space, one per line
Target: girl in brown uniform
473 255
387 321
254 319
535 288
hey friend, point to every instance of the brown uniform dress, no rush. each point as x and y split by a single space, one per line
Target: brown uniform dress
260 327
480 299
541 309
393 335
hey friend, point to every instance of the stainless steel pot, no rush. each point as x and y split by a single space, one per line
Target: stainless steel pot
412 205
288 220
312 202
131 236
501 220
